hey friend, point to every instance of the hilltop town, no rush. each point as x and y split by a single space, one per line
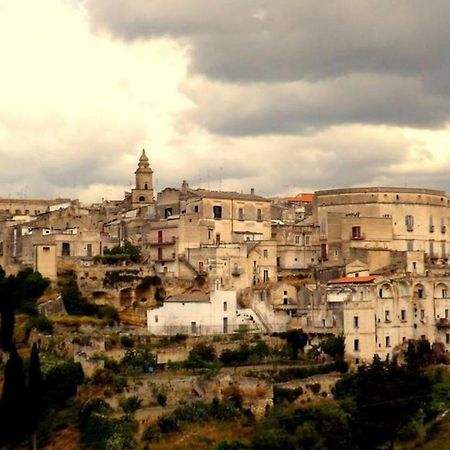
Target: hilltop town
189 278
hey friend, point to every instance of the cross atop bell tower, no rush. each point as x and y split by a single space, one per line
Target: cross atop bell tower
142 194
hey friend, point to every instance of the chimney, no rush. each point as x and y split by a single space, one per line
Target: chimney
252 191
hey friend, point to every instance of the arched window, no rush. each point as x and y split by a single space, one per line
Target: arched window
385 291
142 198
145 186
441 291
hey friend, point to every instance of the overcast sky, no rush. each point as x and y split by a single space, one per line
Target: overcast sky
285 96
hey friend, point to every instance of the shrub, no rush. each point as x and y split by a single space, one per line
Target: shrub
127 341
168 424
281 395
130 404
139 359
200 356
231 445
41 324
161 398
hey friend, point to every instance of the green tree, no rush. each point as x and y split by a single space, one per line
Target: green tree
130 404
334 346
13 405
35 391
382 398
296 340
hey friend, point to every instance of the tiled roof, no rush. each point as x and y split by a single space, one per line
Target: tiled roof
302 198
352 280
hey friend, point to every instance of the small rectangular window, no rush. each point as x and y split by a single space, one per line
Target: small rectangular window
196 208
447 338
225 306
307 239
167 213
388 341
266 253
387 316
422 314
356 232
403 315
356 345
217 210
409 222
241 213
297 239
355 321
156 319
259 214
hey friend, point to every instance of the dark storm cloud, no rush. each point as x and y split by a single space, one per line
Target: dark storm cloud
292 66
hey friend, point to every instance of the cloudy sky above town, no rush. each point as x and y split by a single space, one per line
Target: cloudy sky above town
281 95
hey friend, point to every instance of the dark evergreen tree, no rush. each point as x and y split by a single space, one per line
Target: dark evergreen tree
13 401
35 391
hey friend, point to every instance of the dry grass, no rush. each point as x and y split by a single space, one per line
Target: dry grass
71 321
205 436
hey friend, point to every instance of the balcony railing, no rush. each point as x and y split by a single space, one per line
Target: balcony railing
357 237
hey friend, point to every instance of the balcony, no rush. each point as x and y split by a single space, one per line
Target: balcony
443 323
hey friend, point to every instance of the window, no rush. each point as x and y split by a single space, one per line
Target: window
355 321
422 314
241 213
1 248
444 293
65 249
167 212
307 239
297 239
266 275
409 222
89 250
447 338
266 253
323 226
431 224
446 313
356 345
387 316
142 198
196 208
431 250
156 319
388 341
217 239
217 210
410 246
225 306
259 214
200 266
356 232
444 249
403 315
145 186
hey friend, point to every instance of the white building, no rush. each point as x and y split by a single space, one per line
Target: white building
195 314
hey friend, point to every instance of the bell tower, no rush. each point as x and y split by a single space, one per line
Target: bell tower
142 194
